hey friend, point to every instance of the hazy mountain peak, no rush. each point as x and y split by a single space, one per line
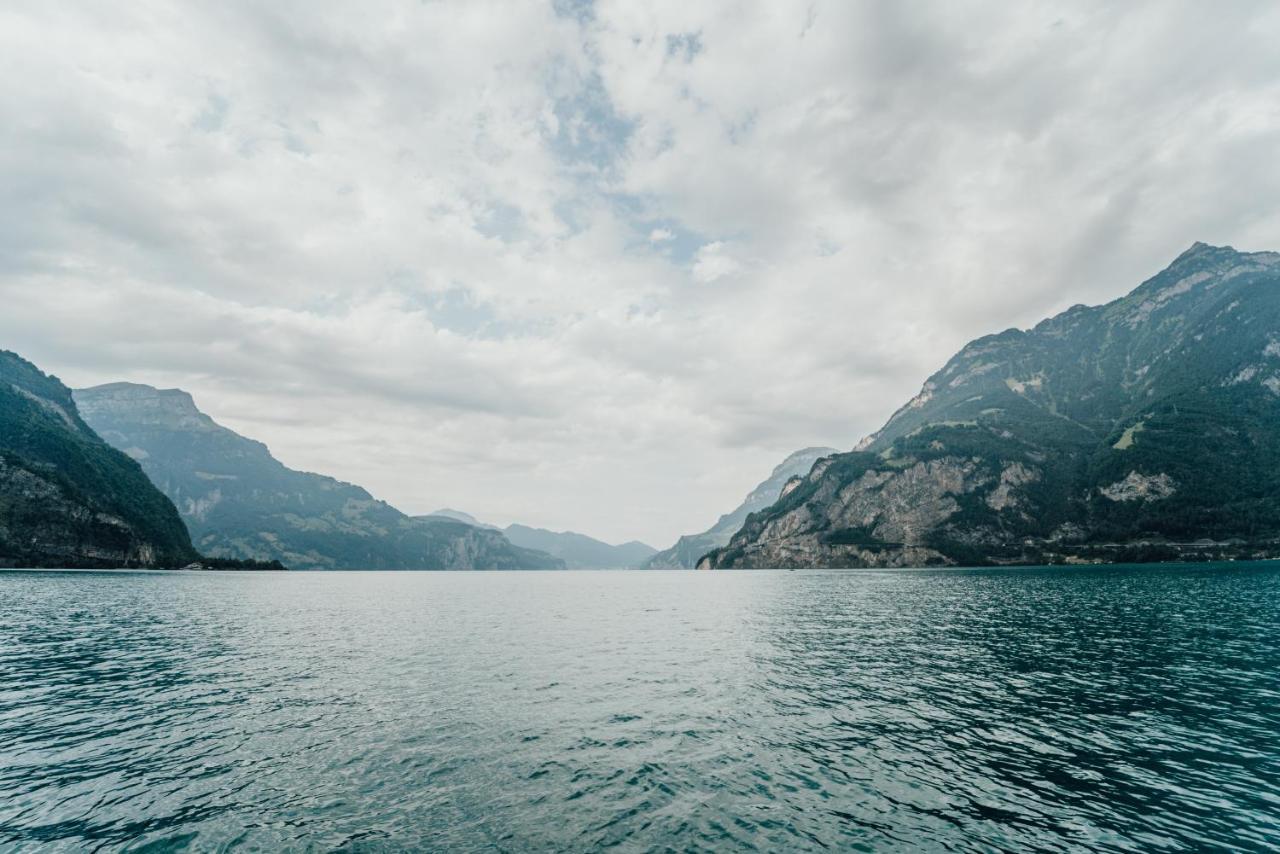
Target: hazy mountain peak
579 551
1210 258
172 407
798 458
1200 248
458 515
690 547
239 501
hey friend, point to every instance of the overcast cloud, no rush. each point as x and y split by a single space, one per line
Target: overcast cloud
599 266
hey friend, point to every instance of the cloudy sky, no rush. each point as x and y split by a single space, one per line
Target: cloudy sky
599 266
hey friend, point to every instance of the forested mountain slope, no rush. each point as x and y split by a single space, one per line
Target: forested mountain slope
1146 428
241 502
68 499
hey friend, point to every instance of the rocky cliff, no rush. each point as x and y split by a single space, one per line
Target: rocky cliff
67 499
1148 428
241 502
689 548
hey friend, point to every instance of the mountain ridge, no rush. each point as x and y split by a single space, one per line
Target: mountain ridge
580 551
68 499
1139 429
241 502
686 551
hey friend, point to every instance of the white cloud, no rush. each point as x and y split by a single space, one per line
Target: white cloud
600 271
713 261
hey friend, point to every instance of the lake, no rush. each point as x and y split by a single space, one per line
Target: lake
961 710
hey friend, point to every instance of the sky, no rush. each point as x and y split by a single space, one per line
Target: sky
599 266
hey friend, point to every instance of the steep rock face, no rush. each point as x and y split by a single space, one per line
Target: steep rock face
67 499
240 502
1146 428
689 548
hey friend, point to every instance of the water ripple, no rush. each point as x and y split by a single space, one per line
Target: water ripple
1030 710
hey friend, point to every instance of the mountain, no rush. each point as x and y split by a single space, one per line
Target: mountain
457 516
241 502
1147 428
67 499
685 553
579 551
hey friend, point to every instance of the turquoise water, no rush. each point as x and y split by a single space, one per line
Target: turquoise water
1108 709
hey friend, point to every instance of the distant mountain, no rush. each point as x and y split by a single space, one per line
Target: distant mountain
239 501
579 551
689 548
1148 428
458 516
67 499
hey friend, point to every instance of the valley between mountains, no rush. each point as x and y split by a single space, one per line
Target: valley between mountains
1144 429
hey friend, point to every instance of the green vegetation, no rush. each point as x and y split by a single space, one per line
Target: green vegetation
689 548
1145 429
1125 442
241 503
225 563
66 497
